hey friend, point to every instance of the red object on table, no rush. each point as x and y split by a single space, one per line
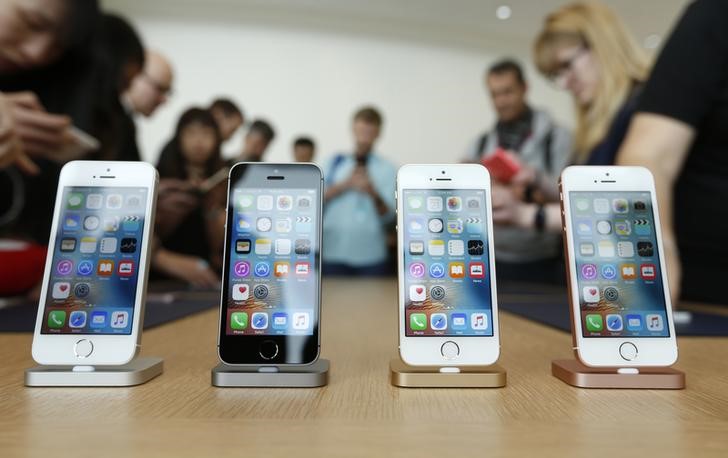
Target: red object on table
501 166
21 266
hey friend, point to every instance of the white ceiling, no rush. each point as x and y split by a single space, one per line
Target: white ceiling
461 23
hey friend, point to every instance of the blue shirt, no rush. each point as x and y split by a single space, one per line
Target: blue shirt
354 233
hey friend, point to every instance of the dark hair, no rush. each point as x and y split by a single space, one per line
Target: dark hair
304 141
263 129
114 47
369 115
82 16
227 106
507 65
119 45
171 162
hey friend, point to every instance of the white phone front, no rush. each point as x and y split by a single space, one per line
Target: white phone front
92 300
621 313
448 313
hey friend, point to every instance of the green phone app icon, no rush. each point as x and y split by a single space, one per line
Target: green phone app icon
246 201
75 200
238 320
594 323
56 319
418 321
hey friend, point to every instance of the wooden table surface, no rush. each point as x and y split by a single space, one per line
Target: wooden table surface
359 413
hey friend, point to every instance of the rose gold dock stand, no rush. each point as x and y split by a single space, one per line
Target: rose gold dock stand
406 376
574 373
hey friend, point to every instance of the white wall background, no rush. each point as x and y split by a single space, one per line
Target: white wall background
310 82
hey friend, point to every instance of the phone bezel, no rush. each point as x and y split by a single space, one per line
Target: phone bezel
244 349
426 351
604 352
58 349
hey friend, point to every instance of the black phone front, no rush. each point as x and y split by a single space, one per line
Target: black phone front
271 296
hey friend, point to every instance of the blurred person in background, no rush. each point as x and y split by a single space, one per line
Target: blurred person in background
229 117
46 60
147 92
359 204
151 88
540 148
304 149
123 54
80 87
679 133
34 35
187 234
583 48
257 139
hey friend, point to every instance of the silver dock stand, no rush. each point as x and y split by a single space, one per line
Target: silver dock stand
310 376
136 372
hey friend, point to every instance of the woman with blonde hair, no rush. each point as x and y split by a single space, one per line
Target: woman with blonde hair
584 48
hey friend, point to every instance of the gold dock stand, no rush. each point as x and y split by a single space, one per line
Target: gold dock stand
406 376
577 374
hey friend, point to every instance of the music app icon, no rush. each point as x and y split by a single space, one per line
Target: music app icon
654 323
478 321
301 321
417 269
119 319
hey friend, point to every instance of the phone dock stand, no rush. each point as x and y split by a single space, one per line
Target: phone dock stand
575 373
406 376
136 372
310 376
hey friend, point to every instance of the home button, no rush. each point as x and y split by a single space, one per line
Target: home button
268 349
450 350
628 351
83 348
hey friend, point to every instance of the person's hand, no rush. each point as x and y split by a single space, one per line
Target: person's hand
191 269
41 133
194 271
175 201
360 181
508 210
526 174
11 147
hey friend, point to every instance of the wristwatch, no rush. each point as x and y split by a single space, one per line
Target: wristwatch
539 219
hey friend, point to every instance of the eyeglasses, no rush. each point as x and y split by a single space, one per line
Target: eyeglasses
163 89
560 74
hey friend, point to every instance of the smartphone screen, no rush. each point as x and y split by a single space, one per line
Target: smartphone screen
271 292
94 272
446 280
273 286
619 281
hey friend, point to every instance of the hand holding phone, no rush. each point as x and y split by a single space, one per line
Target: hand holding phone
42 133
501 165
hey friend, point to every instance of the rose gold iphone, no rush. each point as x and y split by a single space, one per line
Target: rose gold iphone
621 313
